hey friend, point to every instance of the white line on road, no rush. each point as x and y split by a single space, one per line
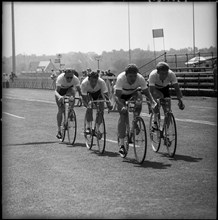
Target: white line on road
188 120
143 114
16 116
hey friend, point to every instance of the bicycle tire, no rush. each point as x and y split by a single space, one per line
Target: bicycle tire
170 134
71 126
139 140
63 127
100 136
88 137
155 135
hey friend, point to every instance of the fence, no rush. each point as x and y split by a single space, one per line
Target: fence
191 83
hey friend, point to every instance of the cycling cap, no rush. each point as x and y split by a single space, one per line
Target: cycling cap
131 68
162 66
93 74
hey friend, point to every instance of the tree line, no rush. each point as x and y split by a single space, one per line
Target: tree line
115 60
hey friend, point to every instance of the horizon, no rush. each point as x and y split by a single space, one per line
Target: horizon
96 27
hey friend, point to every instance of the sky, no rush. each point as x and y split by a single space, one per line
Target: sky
51 28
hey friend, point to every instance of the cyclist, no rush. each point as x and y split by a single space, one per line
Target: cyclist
94 87
127 86
66 84
159 82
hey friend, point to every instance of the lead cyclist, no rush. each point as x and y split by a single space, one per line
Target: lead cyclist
159 82
66 84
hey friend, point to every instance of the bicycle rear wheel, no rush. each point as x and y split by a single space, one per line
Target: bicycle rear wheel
88 135
139 140
155 135
170 134
71 126
100 135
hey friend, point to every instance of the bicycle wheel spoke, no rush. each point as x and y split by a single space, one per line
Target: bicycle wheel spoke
140 140
63 128
88 135
155 135
71 126
100 135
170 135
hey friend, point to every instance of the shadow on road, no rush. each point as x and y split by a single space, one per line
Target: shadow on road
76 145
31 143
148 164
182 157
105 154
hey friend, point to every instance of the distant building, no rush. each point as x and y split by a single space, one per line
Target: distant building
42 66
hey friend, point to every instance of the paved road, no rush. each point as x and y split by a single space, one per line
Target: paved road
43 178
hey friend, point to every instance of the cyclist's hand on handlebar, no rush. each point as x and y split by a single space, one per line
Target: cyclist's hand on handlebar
61 99
181 104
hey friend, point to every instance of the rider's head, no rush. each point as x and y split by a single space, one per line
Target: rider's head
162 70
93 78
131 73
69 73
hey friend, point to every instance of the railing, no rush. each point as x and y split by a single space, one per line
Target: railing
146 68
188 82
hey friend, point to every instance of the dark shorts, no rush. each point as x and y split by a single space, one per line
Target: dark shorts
64 91
95 95
126 97
165 91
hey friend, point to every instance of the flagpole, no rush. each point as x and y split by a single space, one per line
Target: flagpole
193 29
13 39
129 33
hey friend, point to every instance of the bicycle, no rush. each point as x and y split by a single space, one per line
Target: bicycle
99 133
137 133
69 124
166 128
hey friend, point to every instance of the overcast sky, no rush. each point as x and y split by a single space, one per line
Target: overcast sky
61 27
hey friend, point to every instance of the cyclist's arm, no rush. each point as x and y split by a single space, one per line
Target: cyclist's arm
178 91
79 90
57 90
118 94
85 99
148 94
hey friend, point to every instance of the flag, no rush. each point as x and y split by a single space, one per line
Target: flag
157 33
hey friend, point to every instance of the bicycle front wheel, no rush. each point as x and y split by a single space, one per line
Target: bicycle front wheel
139 140
170 134
88 135
155 135
100 135
71 126
63 127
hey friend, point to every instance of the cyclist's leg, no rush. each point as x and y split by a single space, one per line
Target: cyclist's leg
138 95
71 92
121 121
59 114
89 114
156 95
166 106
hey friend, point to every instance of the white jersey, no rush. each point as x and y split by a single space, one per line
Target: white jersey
127 89
154 79
86 87
62 82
